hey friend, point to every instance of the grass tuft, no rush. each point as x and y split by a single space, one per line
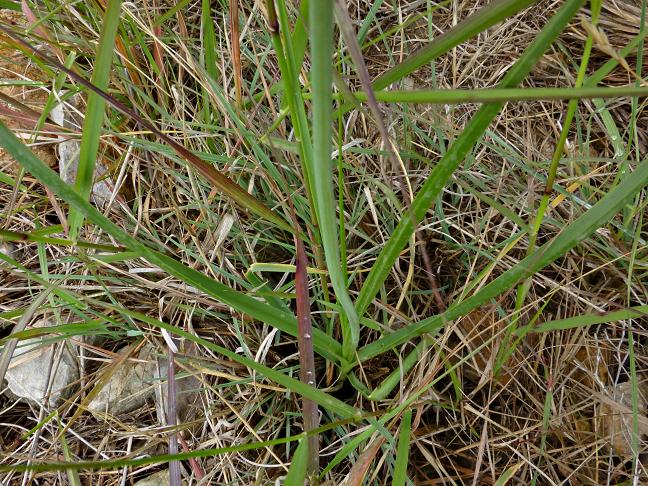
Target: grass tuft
385 243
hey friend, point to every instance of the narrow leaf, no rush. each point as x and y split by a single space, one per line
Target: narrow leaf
299 465
508 474
455 96
321 42
141 461
94 116
588 320
402 452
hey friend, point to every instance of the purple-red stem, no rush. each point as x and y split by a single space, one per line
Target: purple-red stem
172 421
306 354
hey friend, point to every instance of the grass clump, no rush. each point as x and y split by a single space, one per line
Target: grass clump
391 243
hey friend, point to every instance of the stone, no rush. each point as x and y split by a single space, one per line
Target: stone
68 148
8 249
130 384
160 478
35 361
134 381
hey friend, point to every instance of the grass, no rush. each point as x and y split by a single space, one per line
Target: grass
94 115
409 247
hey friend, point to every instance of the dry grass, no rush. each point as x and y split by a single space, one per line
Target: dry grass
544 412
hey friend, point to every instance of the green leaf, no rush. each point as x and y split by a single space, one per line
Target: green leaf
321 168
508 474
209 40
299 465
141 461
402 452
94 116
10 5
72 474
502 95
587 320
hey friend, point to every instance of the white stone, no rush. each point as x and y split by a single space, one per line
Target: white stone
34 362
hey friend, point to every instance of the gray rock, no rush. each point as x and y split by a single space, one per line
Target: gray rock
36 363
68 152
130 385
136 380
160 478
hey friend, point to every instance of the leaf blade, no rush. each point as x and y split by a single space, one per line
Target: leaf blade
402 451
94 116
321 170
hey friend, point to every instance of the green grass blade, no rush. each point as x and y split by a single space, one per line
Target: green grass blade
493 95
471 135
293 95
366 22
402 452
321 43
381 391
170 13
6 235
142 461
209 60
588 320
299 465
318 396
323 344
288 64
94 116
580 229
72 474
299 38
616 140
10 5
